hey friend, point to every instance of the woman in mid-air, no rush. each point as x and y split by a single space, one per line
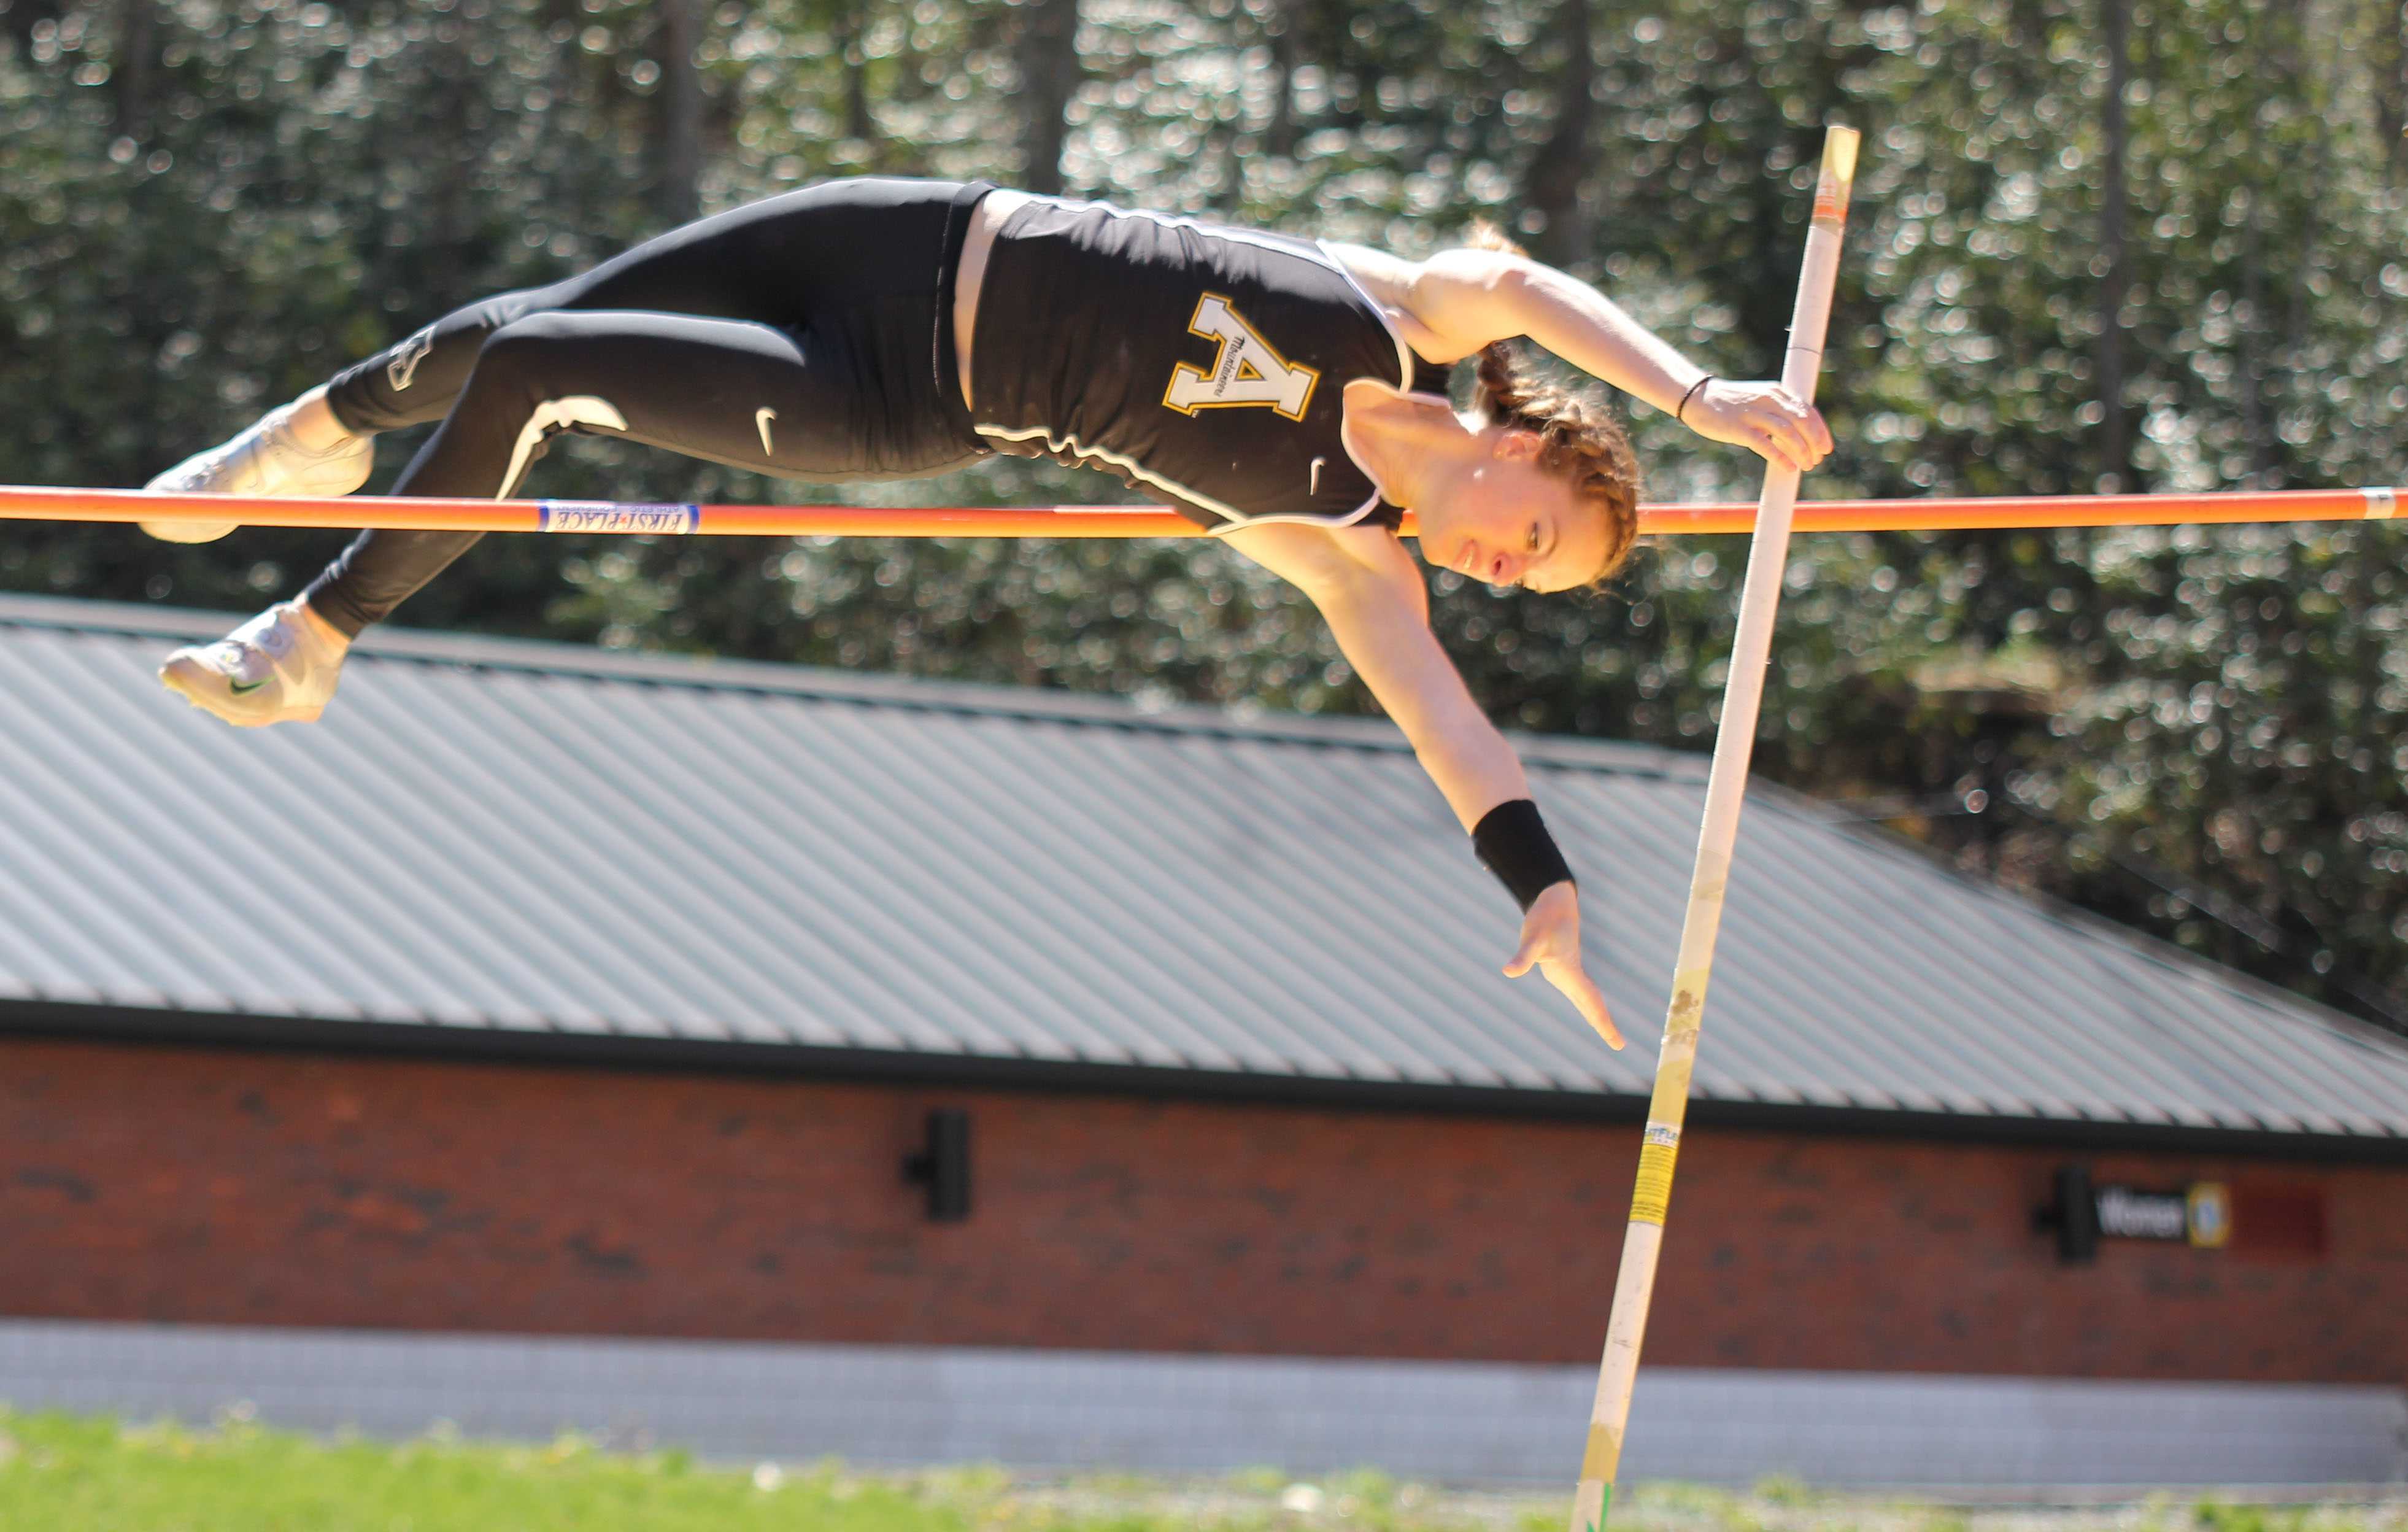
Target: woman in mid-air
1289 395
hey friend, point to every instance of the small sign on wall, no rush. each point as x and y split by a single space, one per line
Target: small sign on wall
2199 1214
2081 1214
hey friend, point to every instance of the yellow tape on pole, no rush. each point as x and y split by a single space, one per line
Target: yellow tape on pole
1651 1201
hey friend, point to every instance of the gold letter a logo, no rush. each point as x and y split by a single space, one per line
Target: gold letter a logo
1246 371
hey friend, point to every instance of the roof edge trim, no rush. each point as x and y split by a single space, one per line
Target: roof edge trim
63 1022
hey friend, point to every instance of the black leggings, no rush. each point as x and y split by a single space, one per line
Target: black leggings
809 336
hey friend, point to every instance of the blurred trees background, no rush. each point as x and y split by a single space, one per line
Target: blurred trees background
2100 244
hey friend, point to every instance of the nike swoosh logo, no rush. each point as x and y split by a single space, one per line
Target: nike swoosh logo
762 419
244 688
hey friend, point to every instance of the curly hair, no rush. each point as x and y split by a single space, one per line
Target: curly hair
1578 437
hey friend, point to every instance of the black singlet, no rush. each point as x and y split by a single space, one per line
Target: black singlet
1205 366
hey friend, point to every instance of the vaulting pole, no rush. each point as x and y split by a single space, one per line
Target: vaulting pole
1768 561
1985 514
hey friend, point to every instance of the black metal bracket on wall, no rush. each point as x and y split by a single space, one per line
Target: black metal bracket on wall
2073 1214
944 1165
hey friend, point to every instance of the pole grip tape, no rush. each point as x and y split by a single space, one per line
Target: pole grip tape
1603 1454
1652 1197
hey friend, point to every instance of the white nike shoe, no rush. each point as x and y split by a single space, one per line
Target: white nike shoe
280 667
263 459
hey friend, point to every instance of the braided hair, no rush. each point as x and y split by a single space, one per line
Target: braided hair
1578 437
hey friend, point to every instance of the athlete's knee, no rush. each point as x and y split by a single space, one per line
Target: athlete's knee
550 367
534 378
529 347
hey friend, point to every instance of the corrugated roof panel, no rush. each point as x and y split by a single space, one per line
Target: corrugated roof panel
1254 853
487 834
285 817
1934 950
2320 1069
1045 890
1171 909
619 798
2003 1062
430 799
823 823
753 822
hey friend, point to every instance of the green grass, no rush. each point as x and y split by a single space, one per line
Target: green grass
85 1474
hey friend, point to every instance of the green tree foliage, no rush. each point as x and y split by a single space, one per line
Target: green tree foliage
207 204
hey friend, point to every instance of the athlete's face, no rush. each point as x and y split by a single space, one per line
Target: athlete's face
1505 521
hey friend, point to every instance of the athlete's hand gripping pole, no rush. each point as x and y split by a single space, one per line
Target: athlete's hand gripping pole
1768 561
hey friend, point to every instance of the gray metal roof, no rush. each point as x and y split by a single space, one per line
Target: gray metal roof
495 836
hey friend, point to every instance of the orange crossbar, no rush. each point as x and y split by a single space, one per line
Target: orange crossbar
358 510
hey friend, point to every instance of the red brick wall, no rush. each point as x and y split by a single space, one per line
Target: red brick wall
222 1187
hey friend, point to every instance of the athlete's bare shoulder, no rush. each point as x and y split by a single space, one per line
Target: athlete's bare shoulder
1447 307
1389 280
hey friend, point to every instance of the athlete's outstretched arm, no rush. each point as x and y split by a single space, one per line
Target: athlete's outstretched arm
1370 591
1466 298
